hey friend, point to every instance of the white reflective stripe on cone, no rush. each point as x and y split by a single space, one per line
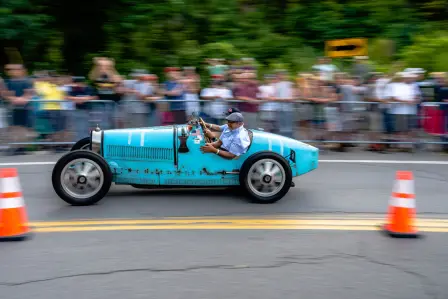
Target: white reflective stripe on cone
402 202
404 186
11 203
8 185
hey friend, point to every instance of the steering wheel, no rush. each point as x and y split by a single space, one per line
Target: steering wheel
201 122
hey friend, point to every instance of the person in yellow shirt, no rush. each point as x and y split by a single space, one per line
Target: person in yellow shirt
50 119
47 90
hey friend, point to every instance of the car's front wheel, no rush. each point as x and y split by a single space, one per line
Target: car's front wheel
81 178
266 177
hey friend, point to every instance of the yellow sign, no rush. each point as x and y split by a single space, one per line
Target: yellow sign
346 47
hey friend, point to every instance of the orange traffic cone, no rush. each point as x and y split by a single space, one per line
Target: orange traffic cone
401 215
13 216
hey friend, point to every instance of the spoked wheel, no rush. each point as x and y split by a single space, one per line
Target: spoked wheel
266 177
81 178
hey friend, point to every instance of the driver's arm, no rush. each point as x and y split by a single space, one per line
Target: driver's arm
210 134
217 144
222 154
213 127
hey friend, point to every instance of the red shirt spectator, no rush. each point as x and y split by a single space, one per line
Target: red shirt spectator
247 90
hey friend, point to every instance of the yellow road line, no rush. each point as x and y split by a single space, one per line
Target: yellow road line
217 221
219 227
231 223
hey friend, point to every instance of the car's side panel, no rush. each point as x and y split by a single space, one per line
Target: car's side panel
198 169
154 156
140 156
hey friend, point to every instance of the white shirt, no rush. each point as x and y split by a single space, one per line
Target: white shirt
216 107
235 141
380 88
131 101
326 71
192 103
404 92
267 91
283 90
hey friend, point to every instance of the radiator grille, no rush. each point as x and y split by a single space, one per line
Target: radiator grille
139 153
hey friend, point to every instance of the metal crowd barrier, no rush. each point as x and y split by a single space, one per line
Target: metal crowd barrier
337 122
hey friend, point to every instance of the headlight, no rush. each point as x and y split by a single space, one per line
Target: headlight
96 140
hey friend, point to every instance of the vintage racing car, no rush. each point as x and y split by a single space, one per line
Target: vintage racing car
170 157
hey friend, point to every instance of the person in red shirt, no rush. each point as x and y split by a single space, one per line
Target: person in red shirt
246 90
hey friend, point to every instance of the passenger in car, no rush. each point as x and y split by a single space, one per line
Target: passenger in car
234 140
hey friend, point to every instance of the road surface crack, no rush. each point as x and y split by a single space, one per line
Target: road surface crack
427 284
279 264
429 288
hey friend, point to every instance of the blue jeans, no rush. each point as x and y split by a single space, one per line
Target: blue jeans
388 122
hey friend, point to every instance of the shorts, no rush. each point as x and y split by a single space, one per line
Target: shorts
21 117
333 119
349 121
305 112
268 115
403 123
375 121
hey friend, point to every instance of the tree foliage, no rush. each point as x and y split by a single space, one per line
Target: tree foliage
153 34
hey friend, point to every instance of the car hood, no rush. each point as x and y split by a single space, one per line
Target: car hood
270 138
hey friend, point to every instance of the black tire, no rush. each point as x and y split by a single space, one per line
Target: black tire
82 144
89 156
266 157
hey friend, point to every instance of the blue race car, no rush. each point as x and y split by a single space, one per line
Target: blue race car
170 157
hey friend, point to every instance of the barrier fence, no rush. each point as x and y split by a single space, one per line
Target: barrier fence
39 124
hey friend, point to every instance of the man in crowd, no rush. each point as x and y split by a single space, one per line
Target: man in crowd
3 116
246 91
361 68
442 97
405 111
17 94
133 100
217 94
174 90
325 69
80 94
269 115
284 94
51 119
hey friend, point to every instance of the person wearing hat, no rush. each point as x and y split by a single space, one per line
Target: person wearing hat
234 140
211 128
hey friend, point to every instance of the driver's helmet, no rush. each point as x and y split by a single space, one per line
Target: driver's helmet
231 110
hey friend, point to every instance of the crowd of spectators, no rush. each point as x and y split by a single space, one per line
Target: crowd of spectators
322 105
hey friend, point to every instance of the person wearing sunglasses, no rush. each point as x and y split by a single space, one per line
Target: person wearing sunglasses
234 140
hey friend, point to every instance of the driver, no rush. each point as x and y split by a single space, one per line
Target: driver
217 128
234 140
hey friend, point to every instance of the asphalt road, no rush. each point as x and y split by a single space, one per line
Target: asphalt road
224 263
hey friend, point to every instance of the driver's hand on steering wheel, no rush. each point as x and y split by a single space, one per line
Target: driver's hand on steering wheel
208 133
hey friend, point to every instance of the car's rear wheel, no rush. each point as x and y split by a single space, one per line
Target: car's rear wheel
266 177
81 178
83 144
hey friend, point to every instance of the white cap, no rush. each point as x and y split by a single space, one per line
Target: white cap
415 70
